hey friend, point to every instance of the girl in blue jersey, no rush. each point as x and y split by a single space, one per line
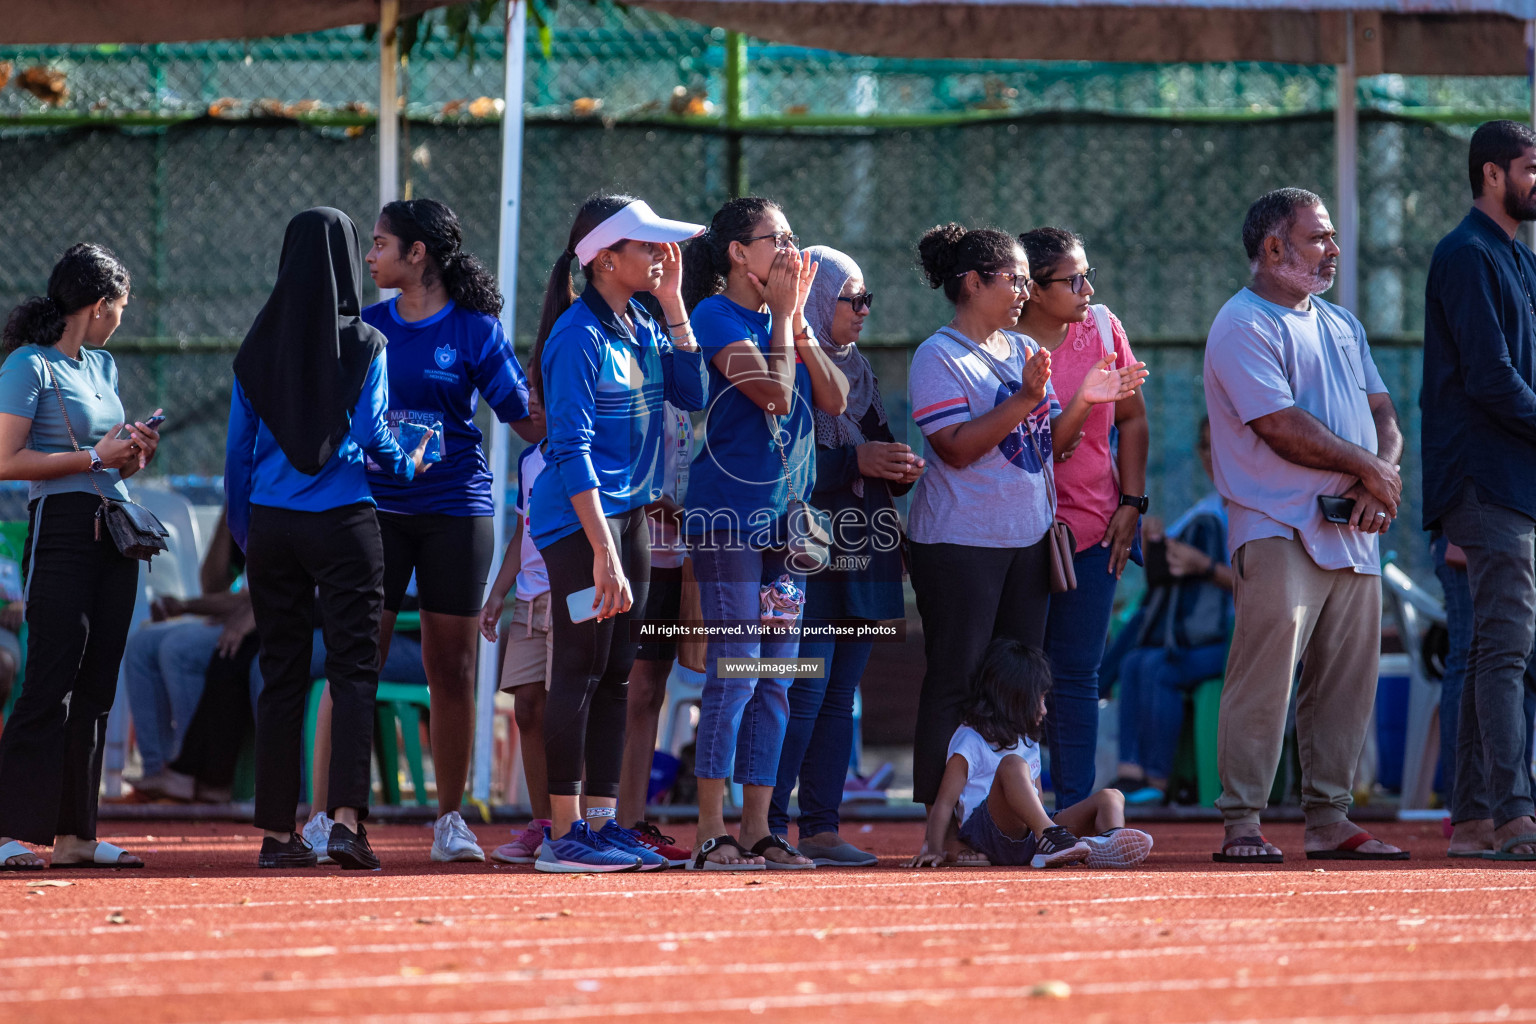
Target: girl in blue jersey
746 286
446 349
604 368
308 402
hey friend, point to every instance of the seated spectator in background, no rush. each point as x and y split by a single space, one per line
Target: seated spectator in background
1178 638
12 614
165 663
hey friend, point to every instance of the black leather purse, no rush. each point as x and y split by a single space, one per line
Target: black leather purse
133 528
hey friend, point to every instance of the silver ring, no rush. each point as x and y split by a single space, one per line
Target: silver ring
1381 515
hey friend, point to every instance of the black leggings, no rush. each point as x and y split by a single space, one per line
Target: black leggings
589 687
968 596
210 752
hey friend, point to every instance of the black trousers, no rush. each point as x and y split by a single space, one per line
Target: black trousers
291 554
210 751
967 597
589 686
80 595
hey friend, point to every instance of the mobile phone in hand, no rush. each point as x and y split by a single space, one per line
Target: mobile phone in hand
1336 509
580 604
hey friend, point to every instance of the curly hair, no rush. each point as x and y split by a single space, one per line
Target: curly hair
436 227
707 259
948 252
84 275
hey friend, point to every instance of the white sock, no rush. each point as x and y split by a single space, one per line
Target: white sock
597 817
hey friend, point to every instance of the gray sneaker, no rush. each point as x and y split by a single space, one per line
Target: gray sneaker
317 833
843 855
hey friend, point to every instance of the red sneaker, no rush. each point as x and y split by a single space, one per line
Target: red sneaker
651 838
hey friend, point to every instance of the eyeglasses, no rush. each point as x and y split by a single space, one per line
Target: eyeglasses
782 240
1077 281
1020 283
860 302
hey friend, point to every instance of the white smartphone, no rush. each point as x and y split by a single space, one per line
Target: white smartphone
580 604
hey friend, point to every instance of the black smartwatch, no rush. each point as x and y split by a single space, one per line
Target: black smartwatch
1139 503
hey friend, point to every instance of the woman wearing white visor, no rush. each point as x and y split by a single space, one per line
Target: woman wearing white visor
603 367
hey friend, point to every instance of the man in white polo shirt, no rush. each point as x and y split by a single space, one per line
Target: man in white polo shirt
1298 412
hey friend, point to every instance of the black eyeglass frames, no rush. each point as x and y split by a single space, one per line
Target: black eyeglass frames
1077 281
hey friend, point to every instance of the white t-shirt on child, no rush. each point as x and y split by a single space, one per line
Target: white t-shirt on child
981 761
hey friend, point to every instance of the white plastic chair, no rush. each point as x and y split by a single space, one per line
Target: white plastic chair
1415 611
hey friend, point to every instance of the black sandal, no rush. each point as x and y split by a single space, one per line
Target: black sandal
777 842
701 861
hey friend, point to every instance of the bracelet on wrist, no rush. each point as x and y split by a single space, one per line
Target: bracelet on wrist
673 327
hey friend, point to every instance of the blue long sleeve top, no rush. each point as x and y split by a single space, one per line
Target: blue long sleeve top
604 391
256 472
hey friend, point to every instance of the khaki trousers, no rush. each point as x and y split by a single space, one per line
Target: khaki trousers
1290 611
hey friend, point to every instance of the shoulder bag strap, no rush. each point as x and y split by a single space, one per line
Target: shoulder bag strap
991 361
1106 329
773 432
64 411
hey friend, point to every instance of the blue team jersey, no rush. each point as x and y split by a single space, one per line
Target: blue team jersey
437 369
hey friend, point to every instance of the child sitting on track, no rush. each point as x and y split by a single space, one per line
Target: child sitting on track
991 783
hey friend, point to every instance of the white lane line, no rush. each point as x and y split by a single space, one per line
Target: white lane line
1419 936
401 923
527 975
1044 895
936 996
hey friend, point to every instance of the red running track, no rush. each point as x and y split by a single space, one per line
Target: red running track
202 936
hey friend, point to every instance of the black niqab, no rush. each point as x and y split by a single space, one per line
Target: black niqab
304 360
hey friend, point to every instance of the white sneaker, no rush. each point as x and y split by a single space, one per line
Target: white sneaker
1118 848
317 833
452 840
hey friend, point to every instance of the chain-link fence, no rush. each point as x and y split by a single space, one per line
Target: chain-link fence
188 160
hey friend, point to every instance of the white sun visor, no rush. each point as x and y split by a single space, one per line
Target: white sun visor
637 221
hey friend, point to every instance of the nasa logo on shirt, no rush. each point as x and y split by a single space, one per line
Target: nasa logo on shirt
446 355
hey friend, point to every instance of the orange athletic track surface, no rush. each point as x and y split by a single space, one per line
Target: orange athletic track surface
201 935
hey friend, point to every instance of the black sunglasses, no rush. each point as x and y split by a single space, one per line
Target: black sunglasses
1076 280
860 302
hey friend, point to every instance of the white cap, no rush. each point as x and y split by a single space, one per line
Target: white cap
637 221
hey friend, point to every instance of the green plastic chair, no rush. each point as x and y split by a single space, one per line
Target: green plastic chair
397 717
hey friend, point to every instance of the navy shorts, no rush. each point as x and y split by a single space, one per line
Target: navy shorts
450 555
981 834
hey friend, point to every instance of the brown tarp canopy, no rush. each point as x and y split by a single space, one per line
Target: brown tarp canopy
39 22
1452 38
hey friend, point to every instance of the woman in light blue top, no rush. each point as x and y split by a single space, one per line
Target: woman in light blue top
60 417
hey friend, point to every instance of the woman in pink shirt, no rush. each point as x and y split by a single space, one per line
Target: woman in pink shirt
1100 494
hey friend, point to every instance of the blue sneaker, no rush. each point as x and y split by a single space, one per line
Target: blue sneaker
580 851
629 842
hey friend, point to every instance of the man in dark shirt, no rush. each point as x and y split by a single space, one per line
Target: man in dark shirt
1479 449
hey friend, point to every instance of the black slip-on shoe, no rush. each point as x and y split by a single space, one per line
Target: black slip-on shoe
295 853
350 849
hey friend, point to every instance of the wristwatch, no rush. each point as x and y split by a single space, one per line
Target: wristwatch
95 460
1138 502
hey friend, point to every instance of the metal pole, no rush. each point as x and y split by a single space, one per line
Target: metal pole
1530 68
735 105
389 101
501 435
1346 126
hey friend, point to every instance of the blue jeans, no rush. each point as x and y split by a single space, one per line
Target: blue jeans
1075 633
741 721
819 739
164 668
1153 682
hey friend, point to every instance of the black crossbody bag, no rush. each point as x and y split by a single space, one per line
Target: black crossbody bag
133 528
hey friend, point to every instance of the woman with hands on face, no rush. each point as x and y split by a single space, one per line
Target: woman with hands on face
603 368
1100 492
859 466
746 284
983 398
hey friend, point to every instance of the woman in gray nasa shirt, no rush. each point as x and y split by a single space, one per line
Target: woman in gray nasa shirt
79 587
